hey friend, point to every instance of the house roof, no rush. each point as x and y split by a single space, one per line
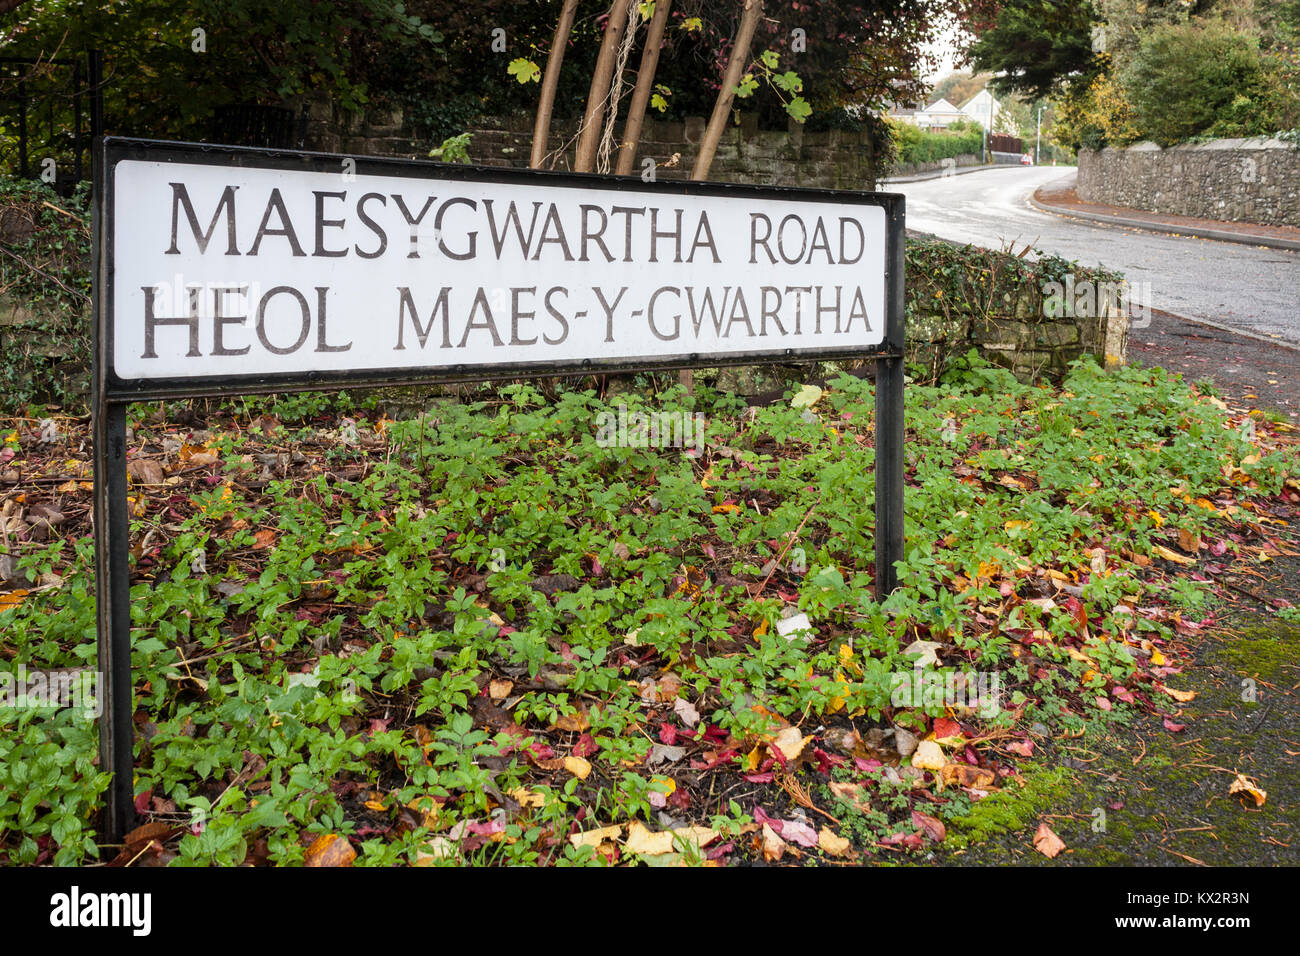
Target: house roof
941 105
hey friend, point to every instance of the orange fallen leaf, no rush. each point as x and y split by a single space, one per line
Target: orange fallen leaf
12 599
1246 785
263 539
330 849
1046 842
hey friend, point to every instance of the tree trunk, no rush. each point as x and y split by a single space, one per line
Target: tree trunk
542 125
645 81
722 107
594 120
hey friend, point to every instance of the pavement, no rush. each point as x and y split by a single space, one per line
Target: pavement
1223 309
1242 288
1061 198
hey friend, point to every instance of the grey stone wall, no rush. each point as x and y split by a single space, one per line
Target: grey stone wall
835 159
1232 180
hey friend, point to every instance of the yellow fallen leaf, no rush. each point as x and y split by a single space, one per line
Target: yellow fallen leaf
1173 556
500 689
577 766
642 840
1246 785
928 756
773 846
806 397
790 742
598 836
832 843
528 798
1018 525
1182 696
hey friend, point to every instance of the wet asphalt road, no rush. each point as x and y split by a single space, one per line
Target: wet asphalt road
1248 288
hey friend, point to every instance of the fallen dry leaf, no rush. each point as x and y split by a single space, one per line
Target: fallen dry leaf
832 843
928 756
574 723
596 837
852 794
931 826
577 766
500 689
1046 842
1170 555
641 840
1246 785
330 849
790 742
773 846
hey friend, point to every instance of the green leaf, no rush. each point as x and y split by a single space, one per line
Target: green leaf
524 70
798 109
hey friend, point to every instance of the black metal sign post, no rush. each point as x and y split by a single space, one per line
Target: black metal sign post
314 320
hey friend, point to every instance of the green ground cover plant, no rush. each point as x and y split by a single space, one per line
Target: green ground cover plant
480 635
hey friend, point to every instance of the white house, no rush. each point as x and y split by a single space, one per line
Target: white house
983 108
938 115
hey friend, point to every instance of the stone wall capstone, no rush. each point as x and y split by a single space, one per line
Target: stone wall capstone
1231 180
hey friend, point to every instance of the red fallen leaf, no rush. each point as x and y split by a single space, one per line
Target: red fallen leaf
932 827
680 799
909 841
596 567
1077 613
723 757
1174 728
1103 703
720 851
142 801
759 777
1122 693
540 751
714 732
585 747
1117 805
667 734
566 652
825 761
865 765
1023 747
946 727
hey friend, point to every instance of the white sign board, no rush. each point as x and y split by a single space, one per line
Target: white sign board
221 270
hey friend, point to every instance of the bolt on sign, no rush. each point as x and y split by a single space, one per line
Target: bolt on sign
222 271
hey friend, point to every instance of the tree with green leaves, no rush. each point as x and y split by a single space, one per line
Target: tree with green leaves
1036 46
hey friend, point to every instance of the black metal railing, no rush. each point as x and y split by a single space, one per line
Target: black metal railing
65 95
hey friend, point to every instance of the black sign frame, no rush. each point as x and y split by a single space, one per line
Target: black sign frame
111 395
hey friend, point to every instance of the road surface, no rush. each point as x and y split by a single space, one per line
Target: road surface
1246 288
